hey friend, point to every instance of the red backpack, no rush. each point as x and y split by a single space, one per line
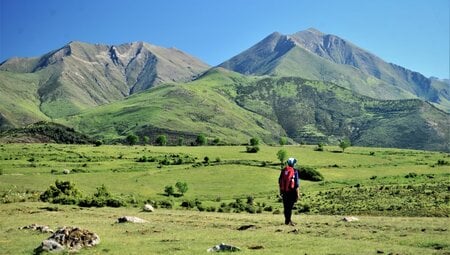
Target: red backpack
287 180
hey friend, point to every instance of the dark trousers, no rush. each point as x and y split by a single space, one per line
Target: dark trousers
289 200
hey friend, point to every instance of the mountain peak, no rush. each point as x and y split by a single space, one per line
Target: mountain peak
313 30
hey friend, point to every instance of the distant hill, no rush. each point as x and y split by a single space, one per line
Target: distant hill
44 132
81 75
235 108
314 55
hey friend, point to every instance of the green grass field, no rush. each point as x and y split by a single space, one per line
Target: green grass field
401 197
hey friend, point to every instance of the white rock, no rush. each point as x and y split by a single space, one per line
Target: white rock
148 208
350 219
131 219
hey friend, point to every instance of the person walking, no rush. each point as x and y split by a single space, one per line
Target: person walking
289 184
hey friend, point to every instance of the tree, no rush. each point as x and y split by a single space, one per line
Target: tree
282 156
132 139
146 140
161 140
180 141
283 141
182 187
254 141
169 190
201 139
344 144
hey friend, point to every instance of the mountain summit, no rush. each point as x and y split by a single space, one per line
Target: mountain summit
315 55
81 75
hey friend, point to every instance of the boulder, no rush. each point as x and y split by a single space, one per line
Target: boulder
148 208
131 219
223 247
66 171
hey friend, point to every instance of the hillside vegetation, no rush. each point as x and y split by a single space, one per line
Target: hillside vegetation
236 108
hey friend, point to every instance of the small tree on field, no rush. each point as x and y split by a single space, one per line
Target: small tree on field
283 141
182 187
282 156
146 140
254 141
201 140
169 190
161 140
132 139
344 144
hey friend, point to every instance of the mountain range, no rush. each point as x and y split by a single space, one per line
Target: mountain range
309 86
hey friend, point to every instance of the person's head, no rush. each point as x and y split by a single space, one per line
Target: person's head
291 161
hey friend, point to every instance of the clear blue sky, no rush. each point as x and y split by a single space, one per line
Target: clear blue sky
410 33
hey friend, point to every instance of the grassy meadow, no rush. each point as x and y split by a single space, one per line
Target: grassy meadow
400 196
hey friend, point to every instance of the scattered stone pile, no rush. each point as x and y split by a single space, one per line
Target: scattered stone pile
40 228
70 238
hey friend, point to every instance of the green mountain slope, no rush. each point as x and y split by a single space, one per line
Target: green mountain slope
312 111
232 107
19 100
181 110
314 55
79 75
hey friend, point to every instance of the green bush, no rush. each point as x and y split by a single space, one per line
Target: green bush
63 192
182 187
252 149
310 174
254 141
169 190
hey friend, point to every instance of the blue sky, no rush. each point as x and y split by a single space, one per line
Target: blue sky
410 33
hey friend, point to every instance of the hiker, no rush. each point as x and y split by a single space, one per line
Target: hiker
289 183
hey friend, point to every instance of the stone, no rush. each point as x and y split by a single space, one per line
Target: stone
131 219
223 247
66 171
148 208
51 246
350 219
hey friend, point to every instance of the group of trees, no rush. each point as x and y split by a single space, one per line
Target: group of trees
202 140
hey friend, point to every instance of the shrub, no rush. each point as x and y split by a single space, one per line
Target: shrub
169 190
310 174
132 139
165 204
411 175
146 140
252 149
283 141
180 141
442 162
254 141
282 156
201 140
161 140
216 141
63 192
344 144
319 147
98 143
182 187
